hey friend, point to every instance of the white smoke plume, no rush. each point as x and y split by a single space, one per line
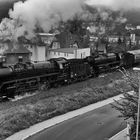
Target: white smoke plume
43 13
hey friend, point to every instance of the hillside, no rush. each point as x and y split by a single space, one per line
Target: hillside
133 17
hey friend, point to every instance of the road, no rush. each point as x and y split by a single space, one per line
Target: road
99 124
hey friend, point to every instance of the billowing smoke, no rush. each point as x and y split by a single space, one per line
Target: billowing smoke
124 5
26 17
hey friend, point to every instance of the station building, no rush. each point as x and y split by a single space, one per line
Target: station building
68 53
16 53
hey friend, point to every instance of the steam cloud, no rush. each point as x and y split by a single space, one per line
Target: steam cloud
26 16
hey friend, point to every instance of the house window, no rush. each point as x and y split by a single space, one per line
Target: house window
58 53
81 55
54 53
3 59
84 54
20 59
65 54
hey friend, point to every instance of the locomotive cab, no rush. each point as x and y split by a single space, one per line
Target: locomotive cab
61 63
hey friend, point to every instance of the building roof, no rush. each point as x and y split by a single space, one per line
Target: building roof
46 34
135 52
66 50
16 48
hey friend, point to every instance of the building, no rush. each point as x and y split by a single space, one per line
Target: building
93 38
16 53
37 47
114 38
138 27
46 38
130 27
40 45
138 40
68 53
133 38
38 51
55 45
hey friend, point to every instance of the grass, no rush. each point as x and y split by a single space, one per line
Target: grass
21 114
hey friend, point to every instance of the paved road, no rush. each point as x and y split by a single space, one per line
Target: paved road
99 124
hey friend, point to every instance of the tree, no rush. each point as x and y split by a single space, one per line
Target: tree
75 27
119 41
128 107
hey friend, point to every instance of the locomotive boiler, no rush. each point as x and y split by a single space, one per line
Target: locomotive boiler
30 76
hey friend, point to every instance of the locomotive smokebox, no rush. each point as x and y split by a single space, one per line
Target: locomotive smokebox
5 72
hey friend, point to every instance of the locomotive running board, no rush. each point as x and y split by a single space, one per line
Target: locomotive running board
27 78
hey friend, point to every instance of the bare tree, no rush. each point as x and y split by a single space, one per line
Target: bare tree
129 105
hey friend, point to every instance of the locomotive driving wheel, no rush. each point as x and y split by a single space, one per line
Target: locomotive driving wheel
92 72
44 86
47 85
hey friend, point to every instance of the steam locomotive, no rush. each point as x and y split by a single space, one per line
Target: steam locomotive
25 77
